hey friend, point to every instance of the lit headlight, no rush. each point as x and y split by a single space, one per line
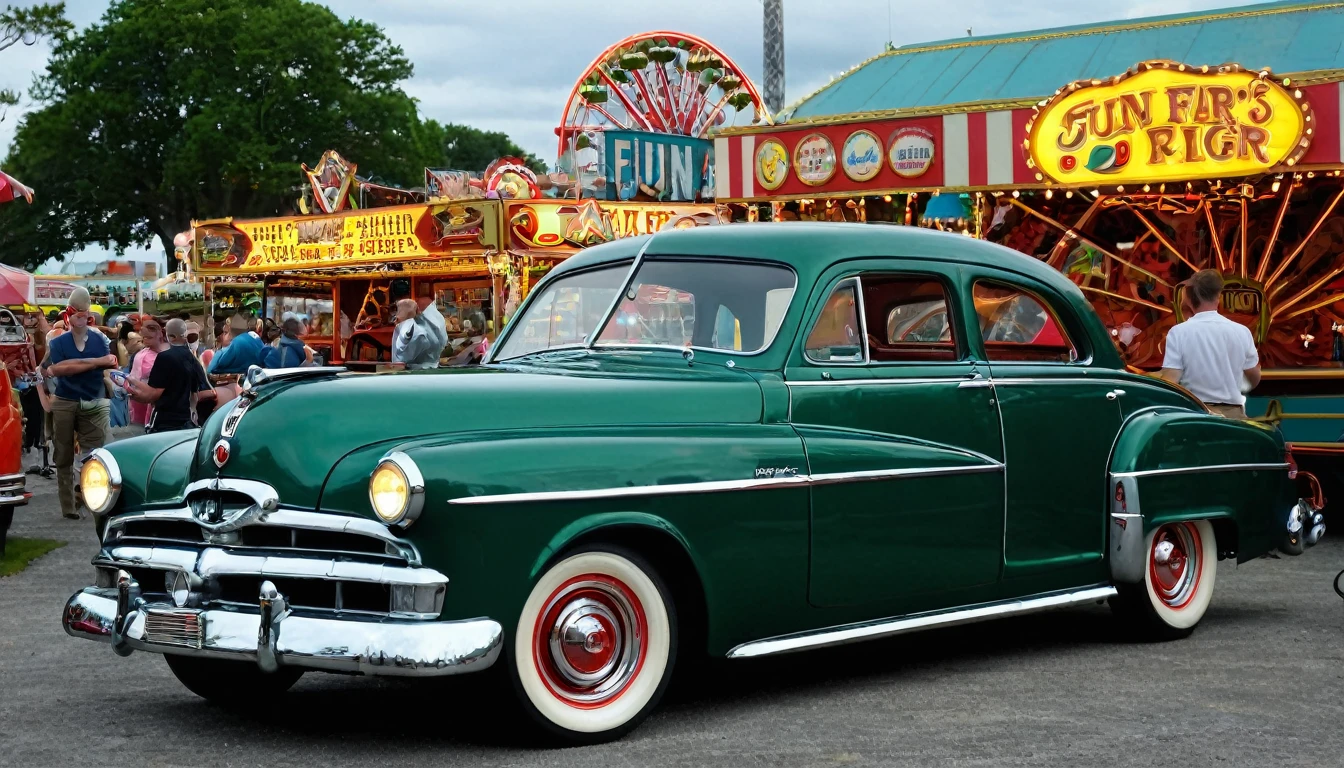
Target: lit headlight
397 490
100 481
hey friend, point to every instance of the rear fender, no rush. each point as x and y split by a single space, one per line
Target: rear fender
1173 465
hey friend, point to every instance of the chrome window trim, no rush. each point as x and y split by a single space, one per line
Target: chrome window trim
851 633
620 293
1200 469
863 330
713 486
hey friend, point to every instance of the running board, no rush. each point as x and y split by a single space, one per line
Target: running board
853 633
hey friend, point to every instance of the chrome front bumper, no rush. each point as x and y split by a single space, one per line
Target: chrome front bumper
274 636
13 490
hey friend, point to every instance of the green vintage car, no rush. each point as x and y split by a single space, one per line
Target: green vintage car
735 441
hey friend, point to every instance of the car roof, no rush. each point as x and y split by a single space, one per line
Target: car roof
811 247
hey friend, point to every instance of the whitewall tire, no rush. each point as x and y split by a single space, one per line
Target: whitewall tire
1178 578
595 644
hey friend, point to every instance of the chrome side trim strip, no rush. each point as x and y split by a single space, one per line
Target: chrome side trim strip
714 486
1198 470
880 382
852 633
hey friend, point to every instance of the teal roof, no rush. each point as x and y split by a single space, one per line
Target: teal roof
1286 37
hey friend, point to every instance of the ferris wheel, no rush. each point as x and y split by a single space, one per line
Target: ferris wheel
658 82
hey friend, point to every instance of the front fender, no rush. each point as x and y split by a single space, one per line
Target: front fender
1172 464
155 469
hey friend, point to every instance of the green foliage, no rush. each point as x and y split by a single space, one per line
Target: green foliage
165 112
20 552
28 25
463 148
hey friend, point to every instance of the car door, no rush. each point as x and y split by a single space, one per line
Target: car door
902 440
1060 416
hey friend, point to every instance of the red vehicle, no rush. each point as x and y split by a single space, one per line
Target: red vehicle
16 356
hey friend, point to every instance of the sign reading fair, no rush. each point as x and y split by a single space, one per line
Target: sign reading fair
658 166
1164 121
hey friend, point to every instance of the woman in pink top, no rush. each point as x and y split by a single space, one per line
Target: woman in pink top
151 333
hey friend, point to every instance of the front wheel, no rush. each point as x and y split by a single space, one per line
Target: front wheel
231 683
595 645
1177 582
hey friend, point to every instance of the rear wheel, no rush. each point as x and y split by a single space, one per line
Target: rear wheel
231 683
595 645
1177 581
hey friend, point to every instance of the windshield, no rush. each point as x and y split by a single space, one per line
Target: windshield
568 310
706 304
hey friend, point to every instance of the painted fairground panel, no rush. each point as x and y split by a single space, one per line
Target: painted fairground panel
636 124
1174 169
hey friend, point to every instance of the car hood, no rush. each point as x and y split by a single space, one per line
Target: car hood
294 432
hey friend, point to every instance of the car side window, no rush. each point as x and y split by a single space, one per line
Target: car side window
907 319
1017 326
837 335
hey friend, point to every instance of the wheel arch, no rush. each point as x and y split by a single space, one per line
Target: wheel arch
653 538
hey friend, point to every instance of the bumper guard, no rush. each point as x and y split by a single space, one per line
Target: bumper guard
274 636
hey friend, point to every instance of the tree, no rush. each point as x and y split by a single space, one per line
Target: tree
27 26
165 112
464 148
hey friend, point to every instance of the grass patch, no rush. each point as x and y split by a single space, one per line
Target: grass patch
20 552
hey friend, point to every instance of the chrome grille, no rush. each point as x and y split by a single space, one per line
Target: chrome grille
174 627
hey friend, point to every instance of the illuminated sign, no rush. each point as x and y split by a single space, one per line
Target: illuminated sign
1164 121
911 152
861 156
772 165
372 237
566 225
660 166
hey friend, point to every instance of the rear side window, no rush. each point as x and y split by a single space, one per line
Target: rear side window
907 319
1016 326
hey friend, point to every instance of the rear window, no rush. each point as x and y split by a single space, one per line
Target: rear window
1017 326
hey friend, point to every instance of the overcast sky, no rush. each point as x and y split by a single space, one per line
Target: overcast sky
509 66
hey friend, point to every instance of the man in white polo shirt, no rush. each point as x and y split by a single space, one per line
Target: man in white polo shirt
1209 354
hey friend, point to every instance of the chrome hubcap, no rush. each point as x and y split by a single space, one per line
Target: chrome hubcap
591 640
1174 564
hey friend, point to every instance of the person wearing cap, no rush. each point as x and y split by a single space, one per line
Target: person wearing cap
80 407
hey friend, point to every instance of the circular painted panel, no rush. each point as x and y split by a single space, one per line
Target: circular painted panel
910 151
814 160
772 165
861 156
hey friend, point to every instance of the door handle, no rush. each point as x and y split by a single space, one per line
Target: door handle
1115 394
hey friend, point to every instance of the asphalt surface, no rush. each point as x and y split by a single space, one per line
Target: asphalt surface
1260 683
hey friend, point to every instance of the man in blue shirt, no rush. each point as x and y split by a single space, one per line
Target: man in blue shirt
246 350
80 407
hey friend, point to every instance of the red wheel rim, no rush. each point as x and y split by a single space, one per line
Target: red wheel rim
1174 564
590 640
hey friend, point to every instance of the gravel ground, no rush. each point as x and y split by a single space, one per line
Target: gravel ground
1260 683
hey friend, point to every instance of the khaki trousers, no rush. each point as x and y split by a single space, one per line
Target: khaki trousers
87 419
1228 411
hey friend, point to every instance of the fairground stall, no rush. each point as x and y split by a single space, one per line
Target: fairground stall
1127 155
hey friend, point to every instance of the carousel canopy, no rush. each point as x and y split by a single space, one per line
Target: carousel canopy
1287 37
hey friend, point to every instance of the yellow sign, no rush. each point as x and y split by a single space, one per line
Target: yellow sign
772 165
561 224
1164 121
370 237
